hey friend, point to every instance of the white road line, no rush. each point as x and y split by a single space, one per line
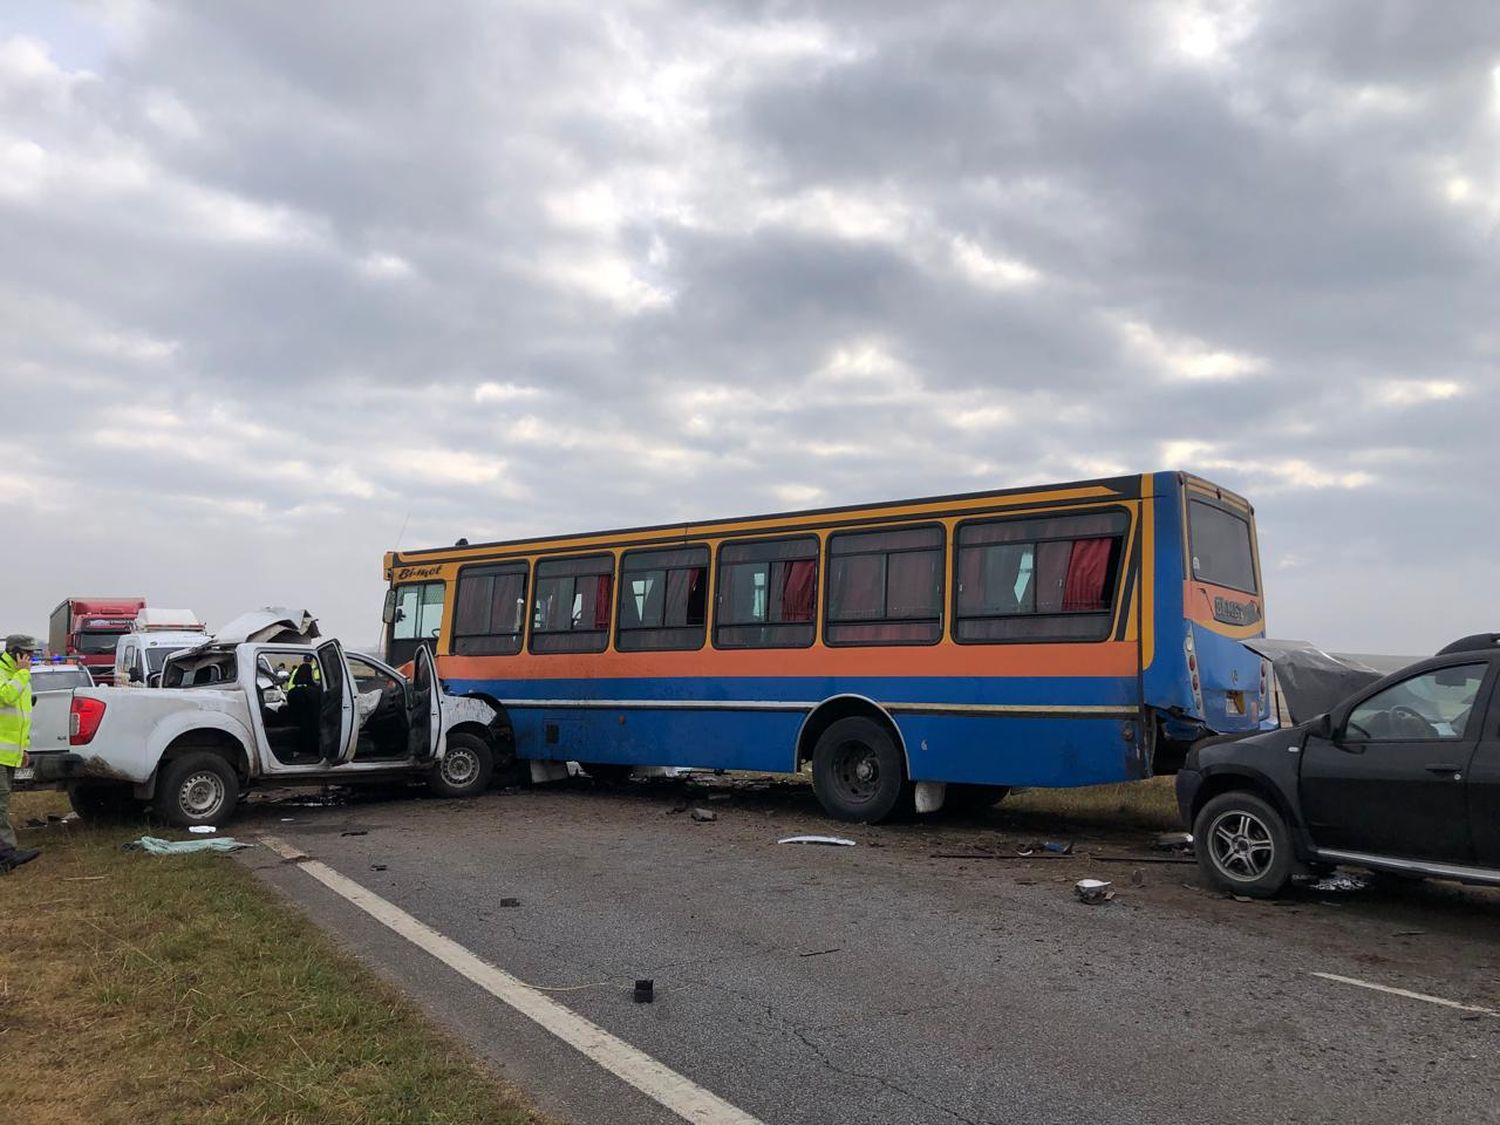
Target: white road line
1408 994
660 1083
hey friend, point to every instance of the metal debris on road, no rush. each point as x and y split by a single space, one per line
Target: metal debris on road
836 841
1094 891
703 815
202 829
1341 883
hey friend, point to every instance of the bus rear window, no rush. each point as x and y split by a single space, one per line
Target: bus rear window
1222 553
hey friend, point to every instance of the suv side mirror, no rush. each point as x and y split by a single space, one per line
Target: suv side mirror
1322 726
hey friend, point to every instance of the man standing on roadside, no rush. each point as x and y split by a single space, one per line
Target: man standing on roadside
15 737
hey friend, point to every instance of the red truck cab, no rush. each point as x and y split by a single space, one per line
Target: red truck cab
86 629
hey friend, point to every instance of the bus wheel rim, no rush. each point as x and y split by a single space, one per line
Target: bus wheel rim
856 769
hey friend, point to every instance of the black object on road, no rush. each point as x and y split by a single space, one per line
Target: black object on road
645 991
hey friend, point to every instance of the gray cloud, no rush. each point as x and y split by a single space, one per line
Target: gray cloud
283 287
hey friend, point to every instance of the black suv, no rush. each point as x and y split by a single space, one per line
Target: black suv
1402 777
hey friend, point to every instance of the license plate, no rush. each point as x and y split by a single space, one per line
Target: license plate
24 773
1234 702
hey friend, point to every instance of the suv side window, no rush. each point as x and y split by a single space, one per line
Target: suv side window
1431 706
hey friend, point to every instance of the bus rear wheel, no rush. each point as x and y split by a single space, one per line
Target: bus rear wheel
858 773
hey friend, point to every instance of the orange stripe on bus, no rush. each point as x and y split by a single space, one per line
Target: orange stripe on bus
1109 658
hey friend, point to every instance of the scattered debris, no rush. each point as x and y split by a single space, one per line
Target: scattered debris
1137 878
1173 842
996 855
69 818
1145 859
702 815
1242 898
1053 847
202 829
836 841
1026 882
1094 891
645 991
720 796
287 819
1341 882
510 902
820 952
355 832
377 867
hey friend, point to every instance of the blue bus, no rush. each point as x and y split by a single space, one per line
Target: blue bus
909 653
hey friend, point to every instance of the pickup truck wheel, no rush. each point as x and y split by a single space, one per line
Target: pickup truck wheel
102 803
199 788
465 769
1243 845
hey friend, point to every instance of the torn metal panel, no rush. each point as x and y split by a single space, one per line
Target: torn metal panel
1312 681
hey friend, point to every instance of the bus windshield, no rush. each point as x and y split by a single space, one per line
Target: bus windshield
1221 547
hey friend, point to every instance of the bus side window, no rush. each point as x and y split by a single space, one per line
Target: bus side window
1038 579
571 609
767 593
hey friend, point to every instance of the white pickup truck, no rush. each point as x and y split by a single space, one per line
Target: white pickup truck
230 716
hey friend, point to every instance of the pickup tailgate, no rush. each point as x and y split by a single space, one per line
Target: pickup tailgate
138 724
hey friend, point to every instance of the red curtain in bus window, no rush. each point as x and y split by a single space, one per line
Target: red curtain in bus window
797 594
1088 570
601 601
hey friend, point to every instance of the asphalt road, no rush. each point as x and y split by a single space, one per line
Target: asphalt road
876 984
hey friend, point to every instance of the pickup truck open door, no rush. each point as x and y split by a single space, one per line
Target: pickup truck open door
426 707
338 732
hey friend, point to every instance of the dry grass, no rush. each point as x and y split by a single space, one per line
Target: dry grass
1142 804
179 989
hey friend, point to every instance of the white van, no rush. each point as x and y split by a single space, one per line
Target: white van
139 656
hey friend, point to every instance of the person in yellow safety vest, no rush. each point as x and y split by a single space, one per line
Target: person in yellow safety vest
15 737
307 674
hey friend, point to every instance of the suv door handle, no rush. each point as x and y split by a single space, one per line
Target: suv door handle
1454 770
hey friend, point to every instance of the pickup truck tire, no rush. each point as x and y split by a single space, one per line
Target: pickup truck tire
197 788
465 769
1243 845
103 802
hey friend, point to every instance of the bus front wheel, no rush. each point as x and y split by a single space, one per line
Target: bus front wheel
858 773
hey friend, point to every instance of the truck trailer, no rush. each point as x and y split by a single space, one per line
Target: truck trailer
86 629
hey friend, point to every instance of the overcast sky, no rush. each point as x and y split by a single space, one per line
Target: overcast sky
283 285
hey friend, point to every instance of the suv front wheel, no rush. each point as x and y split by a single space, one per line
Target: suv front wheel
1243 845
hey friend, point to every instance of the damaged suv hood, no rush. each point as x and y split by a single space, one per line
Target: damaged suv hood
271 625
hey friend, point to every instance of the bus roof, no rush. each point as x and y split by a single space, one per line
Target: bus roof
1103 488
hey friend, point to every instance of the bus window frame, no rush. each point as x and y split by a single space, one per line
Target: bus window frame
946 539
1191 496
607 633
818 588
620 594
527 567
1131 530
442 616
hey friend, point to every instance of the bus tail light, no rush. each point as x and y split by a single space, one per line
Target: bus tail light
83 720
1190 650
